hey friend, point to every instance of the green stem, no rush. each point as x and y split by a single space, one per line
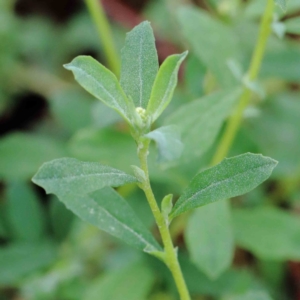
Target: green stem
235 120
171 259
96 11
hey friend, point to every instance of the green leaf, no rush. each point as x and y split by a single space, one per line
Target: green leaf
168 143
22 154
101 83
292 25
24 213
72 109
268 233
61 219
232 177
132 282
211 41
166 206
139 64
108 211
209 237
282 4
164 85
200 121
252 295
20 259
71 176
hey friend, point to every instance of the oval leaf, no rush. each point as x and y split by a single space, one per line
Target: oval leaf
232 177
101 83
108 211
139 64
164 85
72 176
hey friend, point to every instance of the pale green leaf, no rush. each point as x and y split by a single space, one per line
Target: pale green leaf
139 173
19 259
164 85
282 4
132 282
22 154
292 25
24 214
268 233
167 205
101 83
108 211
139 64
71 176
209 238
232 177
200 121
168 143
211 41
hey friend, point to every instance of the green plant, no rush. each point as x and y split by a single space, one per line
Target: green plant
140 97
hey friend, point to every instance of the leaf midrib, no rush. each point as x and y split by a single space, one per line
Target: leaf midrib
212 185
103 88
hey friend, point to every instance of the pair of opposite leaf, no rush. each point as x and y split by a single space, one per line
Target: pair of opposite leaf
144 90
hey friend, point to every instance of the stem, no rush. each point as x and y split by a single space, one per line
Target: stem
96 11
171 259
235 120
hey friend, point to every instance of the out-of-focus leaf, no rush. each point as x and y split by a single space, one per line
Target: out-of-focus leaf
281 62
130 283
293 25
194 76
232 177
72 108
20 259
268 233
168 143
200 121
103 116
139 64
71 176
209 237
101 83
252 295
24 213
104 146
21 154
276 129
61 218
230 283
211 41
164 85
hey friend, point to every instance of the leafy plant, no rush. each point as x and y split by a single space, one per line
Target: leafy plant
141 96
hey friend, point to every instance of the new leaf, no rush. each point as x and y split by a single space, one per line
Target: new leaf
232 177
139 64
164 85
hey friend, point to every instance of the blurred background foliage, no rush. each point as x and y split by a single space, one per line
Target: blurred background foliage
48 253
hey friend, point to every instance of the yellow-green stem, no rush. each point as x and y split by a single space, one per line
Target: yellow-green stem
96 11
171 259
235 120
